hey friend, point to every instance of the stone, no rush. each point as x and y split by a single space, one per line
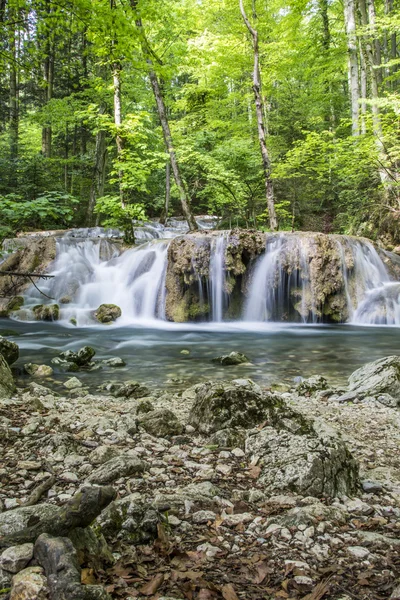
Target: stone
161 423
16 558
144 406
234 358
220 405
315 463
358 552
38 370
374 379
7 385
9 350
46 312
114 362
358 507
107 313
84 355
229 438
29 584
120 466
131 389
395 595
195 496
102 454
131 518
203 516
72 384
371 487
311 385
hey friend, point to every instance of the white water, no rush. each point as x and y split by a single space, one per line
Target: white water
90 270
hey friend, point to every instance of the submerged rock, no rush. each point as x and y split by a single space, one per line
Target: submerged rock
38 370
234 358
107 313
9 350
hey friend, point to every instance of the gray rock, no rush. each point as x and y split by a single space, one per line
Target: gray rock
234 358
375 379
16 558
46 312
234 437
84 355
114 362
131 389
193 497
120 466
9 350
38 370
311 385
221 405
72 383
203 516
5 579
29 584
7 385
161 423
131 518
314 463
371 487
102 454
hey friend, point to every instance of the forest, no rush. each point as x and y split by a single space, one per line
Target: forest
280 114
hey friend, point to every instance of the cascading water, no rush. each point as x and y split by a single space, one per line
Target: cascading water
217 277
307 278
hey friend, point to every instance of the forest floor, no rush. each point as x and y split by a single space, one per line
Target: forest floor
221 535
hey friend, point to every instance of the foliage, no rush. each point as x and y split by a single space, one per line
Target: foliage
113 214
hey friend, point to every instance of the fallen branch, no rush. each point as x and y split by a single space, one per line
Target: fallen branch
38 492
28 275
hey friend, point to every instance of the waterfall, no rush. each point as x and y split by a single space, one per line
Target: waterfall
217 279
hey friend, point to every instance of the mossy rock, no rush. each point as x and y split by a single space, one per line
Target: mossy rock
108 313
46 312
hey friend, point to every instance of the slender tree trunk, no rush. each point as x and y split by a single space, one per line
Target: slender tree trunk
162 115
98 176
350 23
14 103
326 46
269 190
118 123
48 75
372 72
363 88
164 214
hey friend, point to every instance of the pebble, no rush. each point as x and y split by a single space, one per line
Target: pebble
358 552
203 516
16 558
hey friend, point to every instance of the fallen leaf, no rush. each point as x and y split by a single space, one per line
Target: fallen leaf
206 594
87 577
262 570
254 472
152 586
319 591
228 592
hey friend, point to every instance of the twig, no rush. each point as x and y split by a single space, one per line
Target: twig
39 491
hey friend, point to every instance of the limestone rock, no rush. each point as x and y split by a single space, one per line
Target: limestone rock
131 518
107 313
314 463
46 312
29 584
7 386
72 383
16 558
9 350
311 385
131 389
120 466
221 405
376 378
38 370
234 358
161 423
84 355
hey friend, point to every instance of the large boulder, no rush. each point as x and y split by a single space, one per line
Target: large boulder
7 385
381 377
312 463
131 517
222 405
107 313
9 350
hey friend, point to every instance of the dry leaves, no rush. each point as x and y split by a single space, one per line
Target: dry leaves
152 586
228 592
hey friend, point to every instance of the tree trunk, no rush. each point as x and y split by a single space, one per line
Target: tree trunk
14 112
269 190
162 115
48 74
350 23
117 68
364 88
98 177
164 214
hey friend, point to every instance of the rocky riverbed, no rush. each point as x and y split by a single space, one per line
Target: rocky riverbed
224 490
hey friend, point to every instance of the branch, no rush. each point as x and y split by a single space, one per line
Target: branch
246 20
28 275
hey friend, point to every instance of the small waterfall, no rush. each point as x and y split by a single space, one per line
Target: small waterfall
217 279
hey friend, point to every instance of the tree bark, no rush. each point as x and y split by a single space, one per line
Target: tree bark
164 214
162 115
269 190
98 176
119 140
14 108
48 75
350 23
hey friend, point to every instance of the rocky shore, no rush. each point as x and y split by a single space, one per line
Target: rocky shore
220 491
